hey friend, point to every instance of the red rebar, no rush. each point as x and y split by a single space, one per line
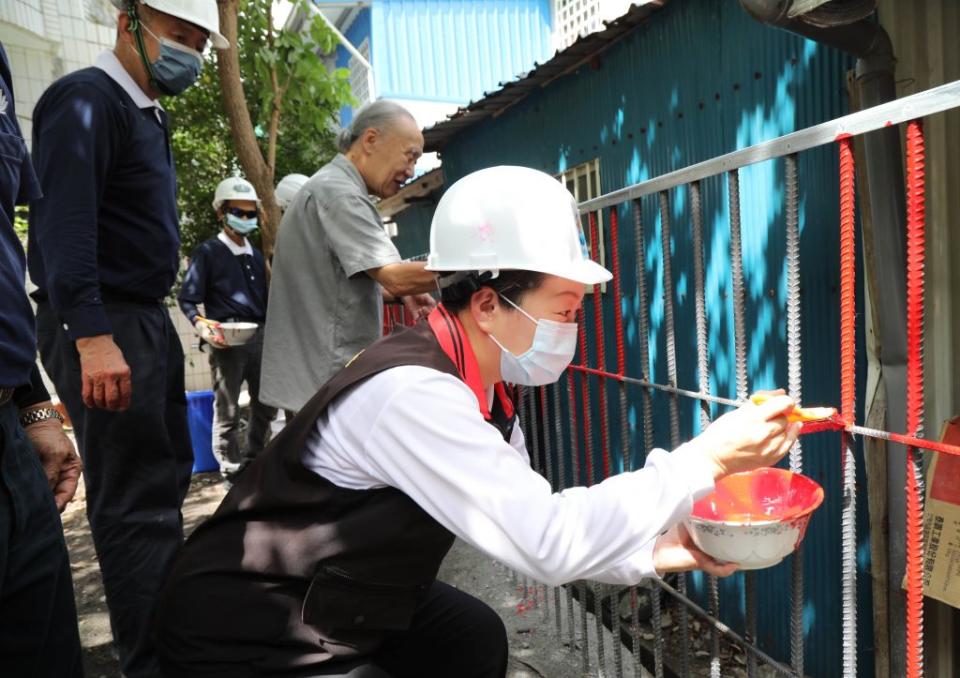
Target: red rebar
585 394
617 291
848 262
574 448
916 245
601 350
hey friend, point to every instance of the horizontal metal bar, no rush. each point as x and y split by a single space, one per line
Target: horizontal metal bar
727 631
917 105
659 387
911 441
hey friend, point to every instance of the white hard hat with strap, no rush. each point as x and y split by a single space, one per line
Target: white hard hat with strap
201 13
511 218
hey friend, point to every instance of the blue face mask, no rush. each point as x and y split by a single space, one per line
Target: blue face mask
176 69
240 225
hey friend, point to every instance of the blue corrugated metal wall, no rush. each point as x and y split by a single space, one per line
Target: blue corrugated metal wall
454 51
413 229
698 80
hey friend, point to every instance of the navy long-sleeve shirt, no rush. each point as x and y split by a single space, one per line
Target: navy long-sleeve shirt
228 284
18 185
108 224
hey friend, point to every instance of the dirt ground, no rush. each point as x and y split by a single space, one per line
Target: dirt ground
536 650
206 491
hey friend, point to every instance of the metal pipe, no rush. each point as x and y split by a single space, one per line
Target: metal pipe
354 52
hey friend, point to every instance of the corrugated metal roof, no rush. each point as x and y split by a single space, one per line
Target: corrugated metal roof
563 63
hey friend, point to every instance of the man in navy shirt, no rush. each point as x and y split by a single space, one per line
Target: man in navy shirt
38 618
227 275
103 250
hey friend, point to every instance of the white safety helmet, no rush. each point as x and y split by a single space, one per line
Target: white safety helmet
511 218
288 187
202 13
234 188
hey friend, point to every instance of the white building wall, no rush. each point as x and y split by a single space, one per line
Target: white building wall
46 39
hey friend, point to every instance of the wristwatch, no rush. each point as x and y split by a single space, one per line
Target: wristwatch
38 415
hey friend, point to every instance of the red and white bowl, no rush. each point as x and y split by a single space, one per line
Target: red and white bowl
238 333
754 519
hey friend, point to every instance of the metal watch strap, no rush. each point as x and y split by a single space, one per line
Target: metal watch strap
38 415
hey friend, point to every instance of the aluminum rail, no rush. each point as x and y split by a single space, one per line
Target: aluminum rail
918 105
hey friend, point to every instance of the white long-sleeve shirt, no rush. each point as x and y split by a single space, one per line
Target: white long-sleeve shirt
421 431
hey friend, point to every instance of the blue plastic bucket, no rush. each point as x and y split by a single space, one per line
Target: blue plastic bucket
200 420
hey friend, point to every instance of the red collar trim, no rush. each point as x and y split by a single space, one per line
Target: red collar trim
453 341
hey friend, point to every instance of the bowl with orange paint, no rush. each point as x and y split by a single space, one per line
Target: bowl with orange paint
755 519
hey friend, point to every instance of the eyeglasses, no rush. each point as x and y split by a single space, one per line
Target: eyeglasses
241 214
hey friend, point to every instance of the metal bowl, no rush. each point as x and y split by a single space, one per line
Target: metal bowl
755 519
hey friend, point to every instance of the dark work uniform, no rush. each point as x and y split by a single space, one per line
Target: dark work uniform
231 287
296 576
38 619
103 250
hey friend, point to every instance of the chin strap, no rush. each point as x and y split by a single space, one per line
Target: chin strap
136 27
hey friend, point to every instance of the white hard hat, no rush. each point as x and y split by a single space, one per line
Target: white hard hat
288 188
202 13
234 188
511 218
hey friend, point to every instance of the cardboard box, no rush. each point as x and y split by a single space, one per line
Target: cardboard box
941 524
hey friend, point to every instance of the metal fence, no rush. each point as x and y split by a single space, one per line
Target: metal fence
562 447
561 430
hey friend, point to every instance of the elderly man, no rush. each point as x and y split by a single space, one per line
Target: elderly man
104 251
38 618
334 264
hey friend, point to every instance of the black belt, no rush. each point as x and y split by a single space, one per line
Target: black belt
112 296
5 395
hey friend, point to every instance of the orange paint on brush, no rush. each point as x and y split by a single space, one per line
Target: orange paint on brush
801 414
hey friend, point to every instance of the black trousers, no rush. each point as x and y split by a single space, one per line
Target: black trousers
137 467
231 367
38 618
452 635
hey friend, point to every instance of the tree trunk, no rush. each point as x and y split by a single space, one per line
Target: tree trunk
258 172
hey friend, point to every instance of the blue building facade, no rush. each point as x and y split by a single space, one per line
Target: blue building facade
697 79
448 51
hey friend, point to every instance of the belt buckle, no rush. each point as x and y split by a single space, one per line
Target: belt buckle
5 395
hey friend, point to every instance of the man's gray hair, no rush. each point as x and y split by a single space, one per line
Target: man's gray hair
379 115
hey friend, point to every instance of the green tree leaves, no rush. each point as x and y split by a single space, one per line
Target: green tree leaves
283 67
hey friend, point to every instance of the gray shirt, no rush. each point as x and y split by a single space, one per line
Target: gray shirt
323 308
